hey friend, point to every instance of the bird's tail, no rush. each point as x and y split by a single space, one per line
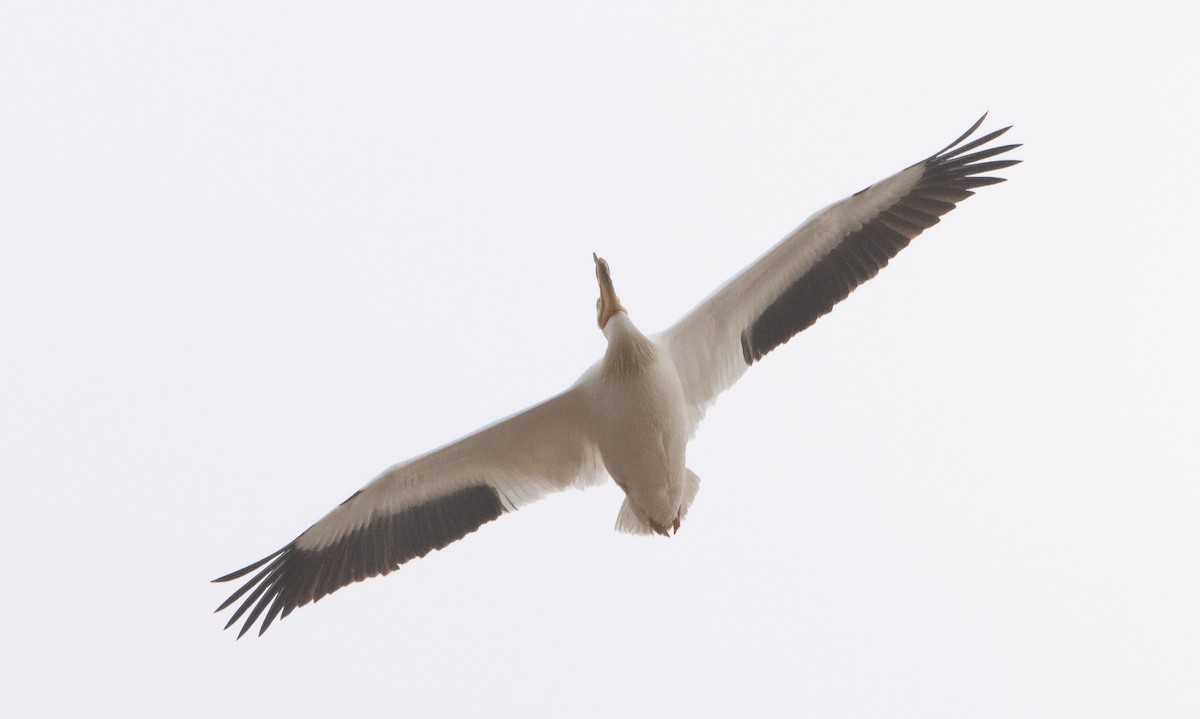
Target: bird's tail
631 520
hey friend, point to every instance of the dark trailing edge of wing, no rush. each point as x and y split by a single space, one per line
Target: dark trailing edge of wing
294 577
949 178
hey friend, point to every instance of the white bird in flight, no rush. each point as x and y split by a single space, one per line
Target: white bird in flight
632 413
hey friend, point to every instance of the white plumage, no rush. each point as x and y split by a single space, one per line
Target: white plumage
629 416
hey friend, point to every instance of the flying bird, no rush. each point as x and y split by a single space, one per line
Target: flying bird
631 414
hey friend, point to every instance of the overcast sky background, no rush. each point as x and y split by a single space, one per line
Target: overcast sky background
253 253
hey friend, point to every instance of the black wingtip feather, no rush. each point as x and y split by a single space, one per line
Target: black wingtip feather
976 168
946 153
976 156
246 570
971 130
276 607
974 182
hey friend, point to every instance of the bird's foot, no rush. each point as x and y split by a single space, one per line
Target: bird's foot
662 529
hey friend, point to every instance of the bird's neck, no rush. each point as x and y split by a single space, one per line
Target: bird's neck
629 350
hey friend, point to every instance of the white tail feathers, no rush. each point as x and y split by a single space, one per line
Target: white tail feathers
691 485
631 520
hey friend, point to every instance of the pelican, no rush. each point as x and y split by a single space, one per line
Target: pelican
631 414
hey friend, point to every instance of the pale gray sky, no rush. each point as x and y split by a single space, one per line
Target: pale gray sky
253 253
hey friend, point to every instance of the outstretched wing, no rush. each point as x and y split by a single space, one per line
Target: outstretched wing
819 264
422 505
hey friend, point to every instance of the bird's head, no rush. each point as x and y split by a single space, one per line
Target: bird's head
608 304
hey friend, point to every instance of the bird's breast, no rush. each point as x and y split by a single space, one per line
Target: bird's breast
642 430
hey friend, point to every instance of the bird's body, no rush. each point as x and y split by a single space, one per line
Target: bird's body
631 414
640 425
